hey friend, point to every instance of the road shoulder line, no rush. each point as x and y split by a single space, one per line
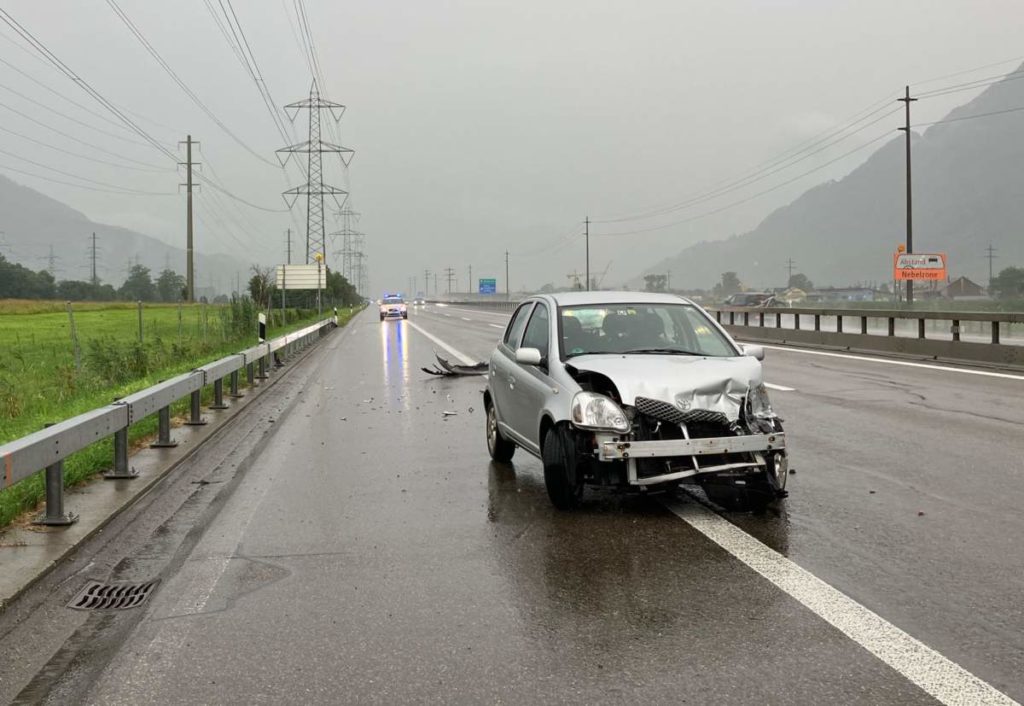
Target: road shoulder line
941 678
465 359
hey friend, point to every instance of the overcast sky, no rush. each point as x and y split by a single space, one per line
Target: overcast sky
482 126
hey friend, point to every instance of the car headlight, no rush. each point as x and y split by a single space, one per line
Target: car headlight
593 411
758 404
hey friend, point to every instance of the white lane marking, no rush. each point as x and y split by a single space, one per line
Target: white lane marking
780 388
906 363
943 679
496 325
465 319
461 356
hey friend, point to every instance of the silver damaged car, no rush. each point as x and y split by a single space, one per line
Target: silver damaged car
634 390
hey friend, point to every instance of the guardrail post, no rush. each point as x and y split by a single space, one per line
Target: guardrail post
863 326
164 440
955 328
892 326
263 368
746 318
839 324
817 322
250 374
718 315
218 394
796 322
920 328
778 320
54 515
121 469
195 417
995 332
233 386
761 319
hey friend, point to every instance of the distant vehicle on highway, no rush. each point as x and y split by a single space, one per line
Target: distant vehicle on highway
393 306
633 390
750 299
420 300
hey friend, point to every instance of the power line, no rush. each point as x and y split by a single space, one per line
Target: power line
969 117
181 84
82 186
82 83
36 121
122 189
1016 59
33 101
84 156
752 196
783 161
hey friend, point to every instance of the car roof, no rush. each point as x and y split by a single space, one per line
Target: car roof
615 297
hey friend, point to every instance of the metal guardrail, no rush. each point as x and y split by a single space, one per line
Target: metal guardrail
47 448
937 334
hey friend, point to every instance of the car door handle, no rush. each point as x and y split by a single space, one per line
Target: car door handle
511 382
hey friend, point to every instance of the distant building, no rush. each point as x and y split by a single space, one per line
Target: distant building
841 294
963 288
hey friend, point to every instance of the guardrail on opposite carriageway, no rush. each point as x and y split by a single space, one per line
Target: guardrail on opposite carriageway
985 337
47 448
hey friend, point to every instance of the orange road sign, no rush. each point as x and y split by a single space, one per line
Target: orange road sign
919 266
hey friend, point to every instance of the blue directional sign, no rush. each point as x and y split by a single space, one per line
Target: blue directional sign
488 286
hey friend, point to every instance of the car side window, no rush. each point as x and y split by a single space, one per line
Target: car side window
538 331
515 327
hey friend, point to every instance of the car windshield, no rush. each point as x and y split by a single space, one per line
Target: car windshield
642 329
393 300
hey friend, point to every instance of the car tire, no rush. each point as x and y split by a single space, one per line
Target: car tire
562 472
382 317
500 448
405 316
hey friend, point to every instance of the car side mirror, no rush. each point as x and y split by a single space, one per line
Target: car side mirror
753 351
528 356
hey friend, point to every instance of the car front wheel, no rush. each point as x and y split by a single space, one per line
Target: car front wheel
500 448
563 476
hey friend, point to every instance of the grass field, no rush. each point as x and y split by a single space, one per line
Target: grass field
43 380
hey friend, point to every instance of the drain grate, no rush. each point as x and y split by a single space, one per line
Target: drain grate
97 595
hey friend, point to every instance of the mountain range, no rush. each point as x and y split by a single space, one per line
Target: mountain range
31 221
968 193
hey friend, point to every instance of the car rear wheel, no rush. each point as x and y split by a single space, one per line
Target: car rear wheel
500 448
562 474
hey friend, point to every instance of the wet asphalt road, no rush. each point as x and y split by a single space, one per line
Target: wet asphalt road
371 553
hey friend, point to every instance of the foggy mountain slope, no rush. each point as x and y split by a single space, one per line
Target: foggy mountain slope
31 222
968 183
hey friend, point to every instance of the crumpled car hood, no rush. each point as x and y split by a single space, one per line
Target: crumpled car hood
688 382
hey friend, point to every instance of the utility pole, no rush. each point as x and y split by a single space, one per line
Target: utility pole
190 276
991 256
426 281
93 279
435 283
315 189
51 263
586 221
469 290
449 274
907 100
789 267
288 235
508 288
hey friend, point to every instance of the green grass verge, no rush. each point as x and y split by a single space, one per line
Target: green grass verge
48 387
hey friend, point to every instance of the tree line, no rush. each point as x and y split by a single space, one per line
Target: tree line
19 282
